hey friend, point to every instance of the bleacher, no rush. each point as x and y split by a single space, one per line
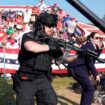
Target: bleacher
8 55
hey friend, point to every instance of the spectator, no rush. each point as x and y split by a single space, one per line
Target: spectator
26 16
2 34
35 13
71 26
55 8
65 22
42 6
12 40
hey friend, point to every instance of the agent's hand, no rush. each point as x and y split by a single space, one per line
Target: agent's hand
100 44
98 78
53 48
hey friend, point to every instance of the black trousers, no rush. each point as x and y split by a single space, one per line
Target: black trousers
39 87
82 77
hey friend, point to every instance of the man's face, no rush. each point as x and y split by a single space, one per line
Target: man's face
49 30
96 39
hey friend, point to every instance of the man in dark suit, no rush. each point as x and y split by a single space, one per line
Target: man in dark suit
83 65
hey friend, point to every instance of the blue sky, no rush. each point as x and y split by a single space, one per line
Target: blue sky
97 6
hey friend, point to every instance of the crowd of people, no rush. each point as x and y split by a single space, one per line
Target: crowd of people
15 23
28 31
12 25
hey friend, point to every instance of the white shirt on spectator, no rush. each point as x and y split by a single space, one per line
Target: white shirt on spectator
27 16
42 6
71 26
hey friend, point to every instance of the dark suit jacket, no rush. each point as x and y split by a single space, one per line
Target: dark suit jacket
84 61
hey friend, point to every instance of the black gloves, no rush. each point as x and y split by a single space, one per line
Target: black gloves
53 47
55 50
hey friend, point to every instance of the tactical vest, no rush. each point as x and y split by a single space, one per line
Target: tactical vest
34 62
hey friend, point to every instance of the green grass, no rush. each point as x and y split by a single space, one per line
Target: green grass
62 82
7 95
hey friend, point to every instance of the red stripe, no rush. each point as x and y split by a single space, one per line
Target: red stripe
100 69
16 7
96 30
83 25
103 51
16 51
62 71
10 51
7 71
55 71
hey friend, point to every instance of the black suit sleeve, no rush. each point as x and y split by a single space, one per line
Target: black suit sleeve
90 65
90 61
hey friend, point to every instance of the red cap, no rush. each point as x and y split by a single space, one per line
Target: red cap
73 19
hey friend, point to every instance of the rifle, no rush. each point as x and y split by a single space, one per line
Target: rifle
70 45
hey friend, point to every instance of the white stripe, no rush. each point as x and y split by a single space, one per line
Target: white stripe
100 65
102 56
9 66
54 66
9 56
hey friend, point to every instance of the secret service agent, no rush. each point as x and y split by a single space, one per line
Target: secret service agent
35 58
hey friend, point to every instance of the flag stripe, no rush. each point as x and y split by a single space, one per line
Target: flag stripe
10 64
8 56
10 51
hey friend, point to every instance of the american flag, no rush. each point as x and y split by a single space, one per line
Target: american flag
9 62
101 66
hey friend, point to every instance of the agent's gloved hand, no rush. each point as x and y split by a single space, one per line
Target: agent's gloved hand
53 47
55 50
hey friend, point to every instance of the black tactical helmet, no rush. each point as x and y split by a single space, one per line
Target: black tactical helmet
46 19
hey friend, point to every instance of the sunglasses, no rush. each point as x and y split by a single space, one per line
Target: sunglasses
96 38
50 25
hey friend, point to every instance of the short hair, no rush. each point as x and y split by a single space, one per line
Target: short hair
47 19
92 34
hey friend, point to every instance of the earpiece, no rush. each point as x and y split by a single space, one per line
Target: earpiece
38 26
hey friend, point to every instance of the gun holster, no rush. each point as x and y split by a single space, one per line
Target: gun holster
16 81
